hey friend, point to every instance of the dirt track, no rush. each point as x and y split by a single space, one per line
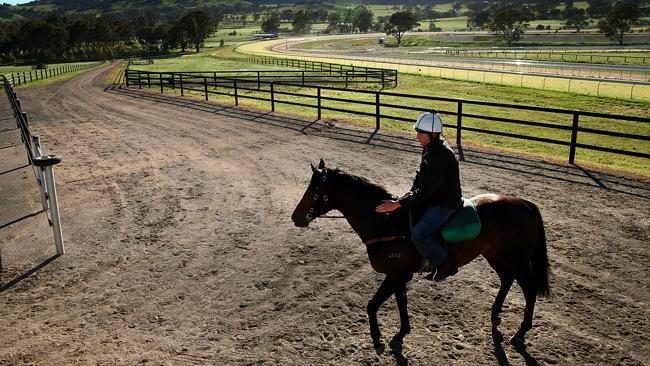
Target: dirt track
180 248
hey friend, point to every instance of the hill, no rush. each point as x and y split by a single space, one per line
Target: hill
165 8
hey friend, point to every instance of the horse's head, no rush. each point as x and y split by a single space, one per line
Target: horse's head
315 202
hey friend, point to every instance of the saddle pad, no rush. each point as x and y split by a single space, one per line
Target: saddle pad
463 225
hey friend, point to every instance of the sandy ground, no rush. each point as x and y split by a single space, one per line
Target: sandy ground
180 248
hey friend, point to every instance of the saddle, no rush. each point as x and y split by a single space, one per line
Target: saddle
464 224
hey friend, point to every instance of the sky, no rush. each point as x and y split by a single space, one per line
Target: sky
14 2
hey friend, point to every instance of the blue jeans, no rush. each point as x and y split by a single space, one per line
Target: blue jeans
423 234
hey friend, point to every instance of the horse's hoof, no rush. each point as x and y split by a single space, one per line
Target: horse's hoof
380 349
395 345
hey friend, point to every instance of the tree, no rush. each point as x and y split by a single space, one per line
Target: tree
509 23
399 23
619 21
301 22
433 27
362 19
287 15
575 18
333 22
271 24
478 19
198 26
599 8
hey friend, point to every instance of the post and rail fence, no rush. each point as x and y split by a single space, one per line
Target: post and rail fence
311 72
43 165
207 84
26 77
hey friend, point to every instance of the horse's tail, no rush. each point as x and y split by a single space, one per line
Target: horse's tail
539 261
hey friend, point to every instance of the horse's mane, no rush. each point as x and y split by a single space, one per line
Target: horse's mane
360 187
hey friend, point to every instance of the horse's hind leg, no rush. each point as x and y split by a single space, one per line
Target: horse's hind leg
525 281
506 279
405 325
386 289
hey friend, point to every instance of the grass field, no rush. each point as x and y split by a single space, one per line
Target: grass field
420 85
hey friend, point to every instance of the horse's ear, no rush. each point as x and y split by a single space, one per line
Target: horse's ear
313 169
321 165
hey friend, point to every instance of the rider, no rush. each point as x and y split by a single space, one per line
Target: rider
435 194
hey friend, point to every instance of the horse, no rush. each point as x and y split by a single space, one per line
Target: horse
512 240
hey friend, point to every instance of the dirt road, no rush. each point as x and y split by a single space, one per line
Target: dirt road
180 248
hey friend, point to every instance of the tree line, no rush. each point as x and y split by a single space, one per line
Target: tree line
510 21
57 39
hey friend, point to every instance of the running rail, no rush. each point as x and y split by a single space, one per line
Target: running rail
41 164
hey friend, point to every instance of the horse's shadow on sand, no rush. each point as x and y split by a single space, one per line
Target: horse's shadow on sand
500 354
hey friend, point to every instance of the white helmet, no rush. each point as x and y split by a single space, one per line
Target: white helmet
428 123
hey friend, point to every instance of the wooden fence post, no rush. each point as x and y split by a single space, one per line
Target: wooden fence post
234 84
180 80
318 99
459 126
272 98
377 111
205 87
574 137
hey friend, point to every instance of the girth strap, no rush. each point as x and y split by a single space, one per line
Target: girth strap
383 239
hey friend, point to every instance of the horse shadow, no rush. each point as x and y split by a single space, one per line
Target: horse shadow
500 354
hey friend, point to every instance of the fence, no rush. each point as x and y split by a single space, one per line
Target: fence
581 83
25 77
312 73
590 56
377 104
42 165
385 75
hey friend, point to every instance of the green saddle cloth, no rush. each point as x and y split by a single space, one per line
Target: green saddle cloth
464 224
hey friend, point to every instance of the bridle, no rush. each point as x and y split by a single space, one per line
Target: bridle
317 197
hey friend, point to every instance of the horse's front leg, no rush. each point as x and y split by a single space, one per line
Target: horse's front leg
405 325
386 289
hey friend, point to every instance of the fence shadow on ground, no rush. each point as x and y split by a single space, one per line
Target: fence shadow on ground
16 280
555 171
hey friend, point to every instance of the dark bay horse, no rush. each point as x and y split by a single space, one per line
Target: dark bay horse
512 240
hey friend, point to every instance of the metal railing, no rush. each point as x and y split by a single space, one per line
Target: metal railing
25 77
42 164
590 56
377 105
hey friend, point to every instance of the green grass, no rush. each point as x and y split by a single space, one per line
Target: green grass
420 85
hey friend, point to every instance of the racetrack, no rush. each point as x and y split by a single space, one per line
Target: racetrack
180 248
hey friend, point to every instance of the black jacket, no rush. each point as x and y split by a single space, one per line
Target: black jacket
438 182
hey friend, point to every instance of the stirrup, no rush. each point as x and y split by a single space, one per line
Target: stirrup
450 272
432 275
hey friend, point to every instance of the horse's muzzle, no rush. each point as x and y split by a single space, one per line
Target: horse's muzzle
299 220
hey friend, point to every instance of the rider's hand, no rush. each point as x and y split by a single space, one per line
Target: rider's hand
388 206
